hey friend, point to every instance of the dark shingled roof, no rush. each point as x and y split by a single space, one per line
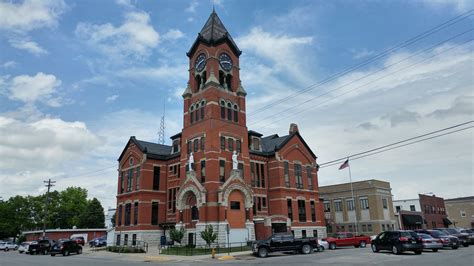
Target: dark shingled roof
271 144
214 32
152 150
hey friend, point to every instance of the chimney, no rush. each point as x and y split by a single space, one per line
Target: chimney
293 128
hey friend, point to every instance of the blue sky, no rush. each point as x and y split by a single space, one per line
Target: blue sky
78 78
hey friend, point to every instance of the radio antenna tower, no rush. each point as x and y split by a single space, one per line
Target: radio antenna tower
161 133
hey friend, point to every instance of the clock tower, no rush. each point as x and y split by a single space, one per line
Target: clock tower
214 128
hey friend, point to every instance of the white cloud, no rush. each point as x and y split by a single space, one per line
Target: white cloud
30 89
173 34
279 49
219 3
9 64
360 54
126 3
458 5
30 14
45 143
136 37
29 46
111 98
192 6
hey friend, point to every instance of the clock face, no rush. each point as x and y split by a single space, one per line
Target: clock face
200 62
225 61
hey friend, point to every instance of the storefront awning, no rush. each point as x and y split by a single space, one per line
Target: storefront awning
447 222
410 219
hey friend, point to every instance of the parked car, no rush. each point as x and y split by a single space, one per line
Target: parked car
98 242
323 244
65 247
398 242
6 246
79 240
471 235
40 247
284 242
430 242
463 237
24 247
449 241
344 239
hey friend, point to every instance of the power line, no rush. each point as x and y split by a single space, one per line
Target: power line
287 110
49 184
403 143
369 60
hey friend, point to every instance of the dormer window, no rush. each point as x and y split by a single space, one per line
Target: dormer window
175 145
256 144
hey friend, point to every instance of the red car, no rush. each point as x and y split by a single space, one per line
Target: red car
79 240
344 239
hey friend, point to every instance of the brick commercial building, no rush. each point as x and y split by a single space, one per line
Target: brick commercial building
217 172
55 234
426 212
372 207
460 211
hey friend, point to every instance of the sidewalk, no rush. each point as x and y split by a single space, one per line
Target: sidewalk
154 256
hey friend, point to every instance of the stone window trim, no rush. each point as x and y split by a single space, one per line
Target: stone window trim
255 141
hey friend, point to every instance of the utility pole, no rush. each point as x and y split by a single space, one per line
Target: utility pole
48 184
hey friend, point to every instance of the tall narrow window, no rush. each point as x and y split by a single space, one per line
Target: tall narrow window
156 178
170 196
137 176
203 171
254 207
222 143
262 174
196 115
119 215
310 177
299 183
196 145
194 213
203 143
135 213
229 111
130 180
175 190
175 145
191 116
222 170
290 209
264 202
134 239
230 144
259 203
236 116
128 212
364 204
313 211
240 166
238 145
287 174
202 112
252 173
189 147
257 173
223 112
301 211
154 213
121 182
350 204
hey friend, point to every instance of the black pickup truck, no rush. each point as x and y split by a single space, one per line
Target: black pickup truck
40 247
284 242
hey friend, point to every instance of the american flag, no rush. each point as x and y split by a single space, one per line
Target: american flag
344 165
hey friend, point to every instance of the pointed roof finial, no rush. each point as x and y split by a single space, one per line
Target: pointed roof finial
213 8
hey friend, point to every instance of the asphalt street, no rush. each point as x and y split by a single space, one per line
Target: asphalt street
343 256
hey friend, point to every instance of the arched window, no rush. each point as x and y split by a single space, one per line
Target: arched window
198 82
236 113
229 111
203 104
191 114
221 78
222 104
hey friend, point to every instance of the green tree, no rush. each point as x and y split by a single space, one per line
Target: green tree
177 235
93 216
209 235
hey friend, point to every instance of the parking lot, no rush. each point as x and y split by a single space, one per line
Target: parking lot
343 256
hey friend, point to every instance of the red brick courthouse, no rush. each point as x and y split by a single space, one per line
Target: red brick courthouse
217 171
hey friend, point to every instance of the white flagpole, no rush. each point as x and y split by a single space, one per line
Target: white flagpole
353 199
